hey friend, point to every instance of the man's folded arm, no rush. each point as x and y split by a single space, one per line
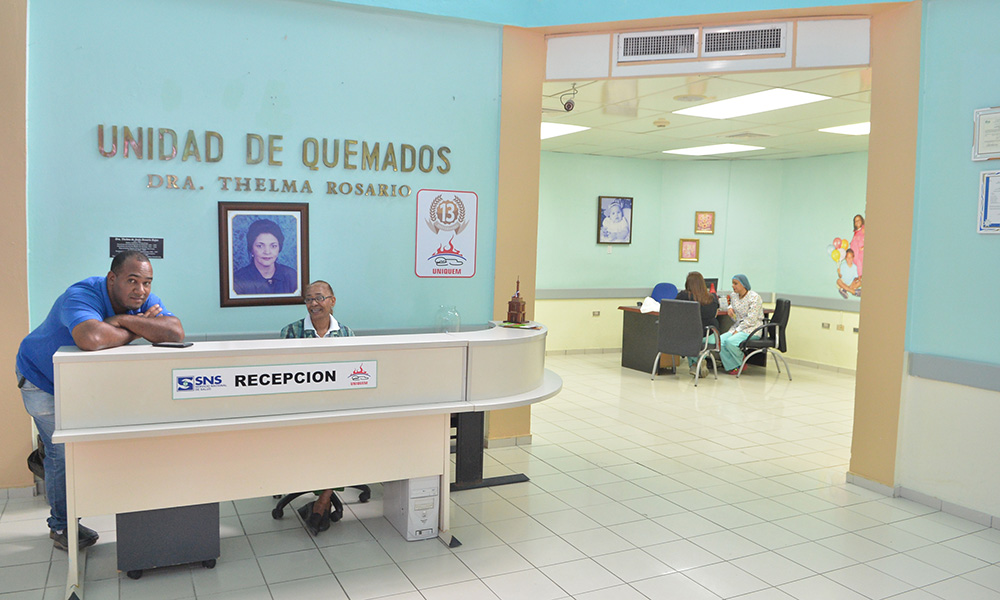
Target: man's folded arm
161 328
97 335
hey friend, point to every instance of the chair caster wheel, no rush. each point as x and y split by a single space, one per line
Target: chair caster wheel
365 496
277 513
136 574
208 564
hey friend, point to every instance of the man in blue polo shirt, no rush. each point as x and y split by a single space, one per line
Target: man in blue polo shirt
93 314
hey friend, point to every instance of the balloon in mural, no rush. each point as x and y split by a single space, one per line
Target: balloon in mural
829 248
836 242
835 255
845 244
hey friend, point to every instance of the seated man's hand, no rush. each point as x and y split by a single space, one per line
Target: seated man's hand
152 311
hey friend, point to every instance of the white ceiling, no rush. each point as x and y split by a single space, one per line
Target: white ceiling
621 115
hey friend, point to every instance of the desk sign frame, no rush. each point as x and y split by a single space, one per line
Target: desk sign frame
254 380
986 133
988 217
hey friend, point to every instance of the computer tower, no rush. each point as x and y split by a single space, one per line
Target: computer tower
412 506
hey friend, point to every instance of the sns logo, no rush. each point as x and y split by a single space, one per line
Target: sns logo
189 383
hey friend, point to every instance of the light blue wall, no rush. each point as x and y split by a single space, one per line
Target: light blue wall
295 69
953 269
568 253
542 13
819 198
774 219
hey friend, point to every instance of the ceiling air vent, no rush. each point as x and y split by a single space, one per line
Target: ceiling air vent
745 40
748 135
657 45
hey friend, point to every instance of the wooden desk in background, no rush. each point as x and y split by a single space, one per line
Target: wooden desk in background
639 333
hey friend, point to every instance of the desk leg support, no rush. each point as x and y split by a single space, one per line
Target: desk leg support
469 456
74 570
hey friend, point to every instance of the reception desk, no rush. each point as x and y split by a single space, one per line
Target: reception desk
148 427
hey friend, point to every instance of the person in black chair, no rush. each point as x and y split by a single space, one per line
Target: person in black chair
746 309
696 290
320 323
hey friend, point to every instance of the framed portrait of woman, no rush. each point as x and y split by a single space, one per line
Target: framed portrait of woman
614 220
263 253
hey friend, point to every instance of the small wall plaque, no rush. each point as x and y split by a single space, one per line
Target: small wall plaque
151 247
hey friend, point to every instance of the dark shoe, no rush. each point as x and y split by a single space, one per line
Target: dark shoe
87 537
316 523
843 294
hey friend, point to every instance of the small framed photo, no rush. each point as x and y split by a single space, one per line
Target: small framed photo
614 220
688 251
263 253
704 222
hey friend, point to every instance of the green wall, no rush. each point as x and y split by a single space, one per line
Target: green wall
296 69
774 220
958 75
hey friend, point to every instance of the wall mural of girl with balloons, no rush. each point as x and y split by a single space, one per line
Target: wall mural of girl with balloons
849 257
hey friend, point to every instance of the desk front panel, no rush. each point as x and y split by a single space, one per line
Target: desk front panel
157 472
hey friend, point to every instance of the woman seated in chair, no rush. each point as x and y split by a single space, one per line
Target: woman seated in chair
696 290
747 311
319 299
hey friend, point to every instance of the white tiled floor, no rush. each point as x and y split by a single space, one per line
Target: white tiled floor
639 490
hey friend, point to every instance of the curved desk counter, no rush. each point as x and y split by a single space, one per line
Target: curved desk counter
142 432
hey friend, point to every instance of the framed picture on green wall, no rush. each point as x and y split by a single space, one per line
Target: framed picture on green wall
614 220
704 221
688 251
263 253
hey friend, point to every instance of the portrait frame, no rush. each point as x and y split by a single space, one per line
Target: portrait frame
687 251
240 283
614 232
704 222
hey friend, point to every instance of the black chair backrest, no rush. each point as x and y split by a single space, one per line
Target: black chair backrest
782 306
680 329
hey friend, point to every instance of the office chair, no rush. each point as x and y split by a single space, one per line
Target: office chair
772 338
336 513
680 332
663 291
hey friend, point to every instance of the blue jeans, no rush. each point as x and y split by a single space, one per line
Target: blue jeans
41 405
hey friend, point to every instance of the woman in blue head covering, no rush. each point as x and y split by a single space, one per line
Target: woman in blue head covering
746 309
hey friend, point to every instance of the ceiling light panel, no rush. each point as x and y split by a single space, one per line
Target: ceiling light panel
752 104
713 149
854 129
551 130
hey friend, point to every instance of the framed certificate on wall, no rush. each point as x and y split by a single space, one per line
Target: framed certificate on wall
986 133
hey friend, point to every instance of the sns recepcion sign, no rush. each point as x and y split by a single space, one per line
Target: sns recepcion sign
253 380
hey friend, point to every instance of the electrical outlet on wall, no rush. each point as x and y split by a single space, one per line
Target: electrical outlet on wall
609 249
596 313
840 327
825 325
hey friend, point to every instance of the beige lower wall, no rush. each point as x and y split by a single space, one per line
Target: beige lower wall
948 444
809 341
573 327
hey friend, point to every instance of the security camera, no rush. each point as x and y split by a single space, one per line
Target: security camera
567 99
